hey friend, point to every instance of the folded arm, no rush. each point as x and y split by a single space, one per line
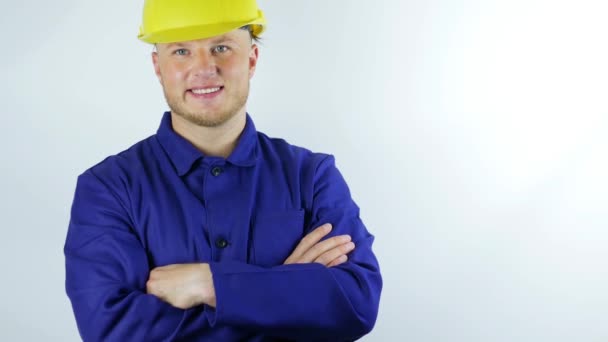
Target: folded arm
107 273
304 299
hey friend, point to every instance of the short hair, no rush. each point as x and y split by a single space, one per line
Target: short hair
249 28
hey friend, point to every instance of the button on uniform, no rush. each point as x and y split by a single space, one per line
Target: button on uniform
216 171
221 243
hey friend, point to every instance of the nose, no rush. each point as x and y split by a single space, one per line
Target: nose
204 65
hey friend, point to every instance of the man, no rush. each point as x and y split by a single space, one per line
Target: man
210 230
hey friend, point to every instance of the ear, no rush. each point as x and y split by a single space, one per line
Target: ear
253 59
156 65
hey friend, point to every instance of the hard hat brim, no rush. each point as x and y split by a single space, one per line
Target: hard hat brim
183 34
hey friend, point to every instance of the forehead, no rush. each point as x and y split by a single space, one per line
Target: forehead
237 36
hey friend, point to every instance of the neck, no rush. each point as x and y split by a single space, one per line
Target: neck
218 141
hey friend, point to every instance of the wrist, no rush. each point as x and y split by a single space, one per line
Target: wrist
207 290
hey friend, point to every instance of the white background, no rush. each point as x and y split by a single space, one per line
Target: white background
472 134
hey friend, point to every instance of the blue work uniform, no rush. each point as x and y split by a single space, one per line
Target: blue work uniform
163 202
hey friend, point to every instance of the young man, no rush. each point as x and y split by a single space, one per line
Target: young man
210 230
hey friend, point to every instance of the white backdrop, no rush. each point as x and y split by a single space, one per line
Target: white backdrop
472 134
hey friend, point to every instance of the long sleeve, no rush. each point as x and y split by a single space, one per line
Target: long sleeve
106 273
308 301
161 202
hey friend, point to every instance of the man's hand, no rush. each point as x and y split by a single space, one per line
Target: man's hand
188 285
330 252
182 285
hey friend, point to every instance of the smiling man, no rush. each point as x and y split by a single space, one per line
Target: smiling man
209 230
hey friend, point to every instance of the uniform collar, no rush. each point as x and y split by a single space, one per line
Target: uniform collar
183 154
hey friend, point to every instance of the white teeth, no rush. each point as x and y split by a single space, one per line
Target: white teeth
205 91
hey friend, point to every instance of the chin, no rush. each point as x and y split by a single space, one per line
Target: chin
206 120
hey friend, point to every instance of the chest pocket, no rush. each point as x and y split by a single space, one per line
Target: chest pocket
275 235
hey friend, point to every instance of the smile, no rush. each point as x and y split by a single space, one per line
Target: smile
206 90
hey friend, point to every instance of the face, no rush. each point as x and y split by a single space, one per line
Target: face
206 81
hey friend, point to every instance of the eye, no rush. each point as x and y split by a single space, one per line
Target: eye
180 52
220 49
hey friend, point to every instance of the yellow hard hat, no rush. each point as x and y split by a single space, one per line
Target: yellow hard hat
168 21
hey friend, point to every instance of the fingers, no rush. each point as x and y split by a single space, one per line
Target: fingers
336 255
307 242
329 252
322 247
340 260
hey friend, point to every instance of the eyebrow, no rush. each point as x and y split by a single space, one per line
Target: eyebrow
214 41
222 39
175 44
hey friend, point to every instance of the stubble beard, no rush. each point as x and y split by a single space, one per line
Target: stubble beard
208 118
